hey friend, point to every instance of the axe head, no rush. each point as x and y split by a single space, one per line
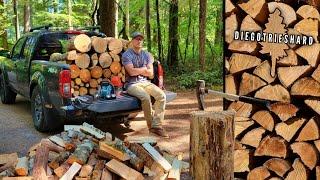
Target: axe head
200 94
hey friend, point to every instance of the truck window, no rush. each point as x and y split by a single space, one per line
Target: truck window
51 43
28 47
17 48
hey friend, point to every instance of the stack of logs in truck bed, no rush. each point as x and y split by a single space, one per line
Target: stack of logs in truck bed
282 141
84 152
92 60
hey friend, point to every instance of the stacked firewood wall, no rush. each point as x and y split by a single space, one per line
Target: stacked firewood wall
92 60
282 141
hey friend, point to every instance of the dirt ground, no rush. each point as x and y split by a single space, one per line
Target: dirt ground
18 134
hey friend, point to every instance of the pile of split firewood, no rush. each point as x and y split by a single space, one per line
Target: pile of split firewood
85 152
92 60
282 141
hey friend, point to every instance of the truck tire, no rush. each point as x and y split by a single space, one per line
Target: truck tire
43 119
6 94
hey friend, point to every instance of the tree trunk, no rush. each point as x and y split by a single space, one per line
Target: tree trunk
160 49
126 21
107 18
27 16
202 33
173 35
16 19
188 33
116 18
4 34
95 14
211 142
148 25
70 14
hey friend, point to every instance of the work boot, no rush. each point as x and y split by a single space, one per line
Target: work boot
159 132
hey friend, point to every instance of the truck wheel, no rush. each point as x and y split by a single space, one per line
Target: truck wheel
43 120
7 95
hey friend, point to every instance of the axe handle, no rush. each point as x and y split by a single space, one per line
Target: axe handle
250 100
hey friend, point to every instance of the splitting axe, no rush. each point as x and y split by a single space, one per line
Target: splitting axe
201 91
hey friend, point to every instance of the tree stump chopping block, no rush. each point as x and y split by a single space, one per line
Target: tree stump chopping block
211 144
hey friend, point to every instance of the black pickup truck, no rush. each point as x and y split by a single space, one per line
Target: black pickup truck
27 71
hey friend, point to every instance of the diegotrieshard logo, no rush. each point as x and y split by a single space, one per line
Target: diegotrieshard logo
274 38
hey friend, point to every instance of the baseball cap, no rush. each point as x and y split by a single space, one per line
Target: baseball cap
136 34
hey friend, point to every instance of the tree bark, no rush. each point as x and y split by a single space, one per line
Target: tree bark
202 33
188 33
148 28
173 35
160 49
95 13
211 142
4 34
70 14
107 18
16 19
27 16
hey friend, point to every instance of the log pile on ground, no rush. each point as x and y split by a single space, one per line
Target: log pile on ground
283 141
92 60
85 152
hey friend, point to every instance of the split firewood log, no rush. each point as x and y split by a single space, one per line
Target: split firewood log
288 75
105 60
307 11
265 119
310 131
242 126
278 165
231 24
299 171
290 60
272 146
273 93
94 60
240 62
230 84
72 55
241 160
115 46
259 13
85 75
253 137
250 83
82 43
75 71
83 91
310 54
115 67
82 60
81 153
307 152
308 27
258 173
289 128
242 109
284 110
306 86
263 71
99 44
115 57
96 72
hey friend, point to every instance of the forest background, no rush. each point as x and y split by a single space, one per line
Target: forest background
185 35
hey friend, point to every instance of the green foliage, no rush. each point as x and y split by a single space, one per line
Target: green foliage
188 80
